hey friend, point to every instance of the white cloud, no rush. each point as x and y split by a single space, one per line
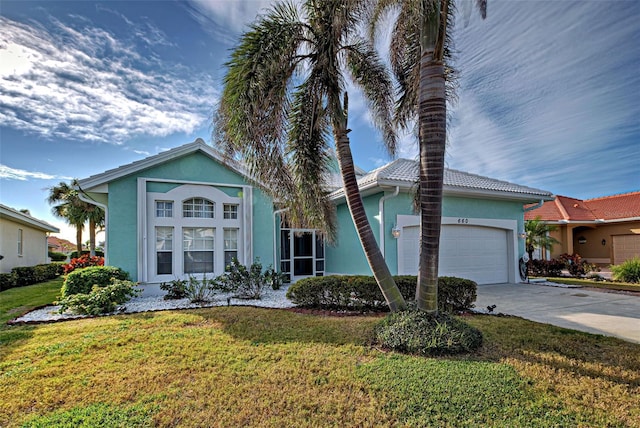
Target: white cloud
84 84
549 96
9 173
232 14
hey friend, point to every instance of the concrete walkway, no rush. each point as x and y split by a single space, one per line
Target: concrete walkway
596 312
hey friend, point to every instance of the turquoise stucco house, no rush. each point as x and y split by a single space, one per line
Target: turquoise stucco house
183 212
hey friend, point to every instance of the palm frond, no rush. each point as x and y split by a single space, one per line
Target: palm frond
370 74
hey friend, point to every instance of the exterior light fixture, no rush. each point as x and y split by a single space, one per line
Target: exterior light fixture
396 231
522 235
604 242
582 240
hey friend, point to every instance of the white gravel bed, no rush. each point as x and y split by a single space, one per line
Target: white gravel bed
270 299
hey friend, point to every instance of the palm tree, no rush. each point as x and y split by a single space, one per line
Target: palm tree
418 51
68 207
76 212
284 94
538 235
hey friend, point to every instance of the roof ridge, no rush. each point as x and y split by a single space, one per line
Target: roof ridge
561 208
615 195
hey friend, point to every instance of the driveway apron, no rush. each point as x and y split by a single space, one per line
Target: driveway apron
610 314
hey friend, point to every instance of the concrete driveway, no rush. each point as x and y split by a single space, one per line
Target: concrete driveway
597 312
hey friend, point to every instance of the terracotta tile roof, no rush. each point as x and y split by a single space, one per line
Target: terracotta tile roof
613 207
625 205
61 245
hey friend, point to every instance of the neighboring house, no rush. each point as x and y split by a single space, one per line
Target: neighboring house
60 245
184 212
23 239
603 230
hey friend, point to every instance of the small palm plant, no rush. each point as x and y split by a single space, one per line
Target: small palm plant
538 235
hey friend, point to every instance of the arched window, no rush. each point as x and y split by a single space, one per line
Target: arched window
198 208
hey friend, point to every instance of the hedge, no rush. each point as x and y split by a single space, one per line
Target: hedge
27 275
359 293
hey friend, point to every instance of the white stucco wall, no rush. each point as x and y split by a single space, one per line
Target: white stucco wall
34 245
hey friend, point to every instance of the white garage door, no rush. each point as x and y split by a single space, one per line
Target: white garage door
472 252
625 247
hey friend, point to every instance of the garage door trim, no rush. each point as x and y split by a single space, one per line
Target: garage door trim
510 226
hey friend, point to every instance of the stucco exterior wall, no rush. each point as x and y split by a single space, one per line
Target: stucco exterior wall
34 245
592 250
348 257
122 232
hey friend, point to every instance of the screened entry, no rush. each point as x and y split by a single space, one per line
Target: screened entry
301 253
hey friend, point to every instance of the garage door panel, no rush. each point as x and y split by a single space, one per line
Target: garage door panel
473 252
625 247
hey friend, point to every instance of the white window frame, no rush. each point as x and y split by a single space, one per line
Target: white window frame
164 209
183 191
20 243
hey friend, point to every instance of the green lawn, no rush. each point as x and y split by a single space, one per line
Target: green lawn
605 285
239 366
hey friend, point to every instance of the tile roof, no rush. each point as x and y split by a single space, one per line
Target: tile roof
626 205
404 173
614 207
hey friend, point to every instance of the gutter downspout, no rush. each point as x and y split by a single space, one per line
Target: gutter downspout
275 239
381 214
533 207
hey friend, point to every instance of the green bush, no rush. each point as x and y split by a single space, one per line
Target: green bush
354 292
74 255
176 289
25 275
57 257
199 291
101 299
22 276
456 294
546 267
576 266
628 271
247 282
418 332
7 281
82 281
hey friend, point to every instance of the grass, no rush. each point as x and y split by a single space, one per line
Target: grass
605 285
239 366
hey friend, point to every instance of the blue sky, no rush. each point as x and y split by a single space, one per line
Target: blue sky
549 93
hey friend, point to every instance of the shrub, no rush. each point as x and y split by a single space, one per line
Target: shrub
456 294
418 332
7 281
25 275
83 280
353 292
628 271
199 291
176 289
57 257
100 300
83 262
546 267
274 278
247 283
576 266
74 254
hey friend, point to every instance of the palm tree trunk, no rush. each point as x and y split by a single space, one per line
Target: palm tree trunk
92 237
432 136
79 239
378 265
